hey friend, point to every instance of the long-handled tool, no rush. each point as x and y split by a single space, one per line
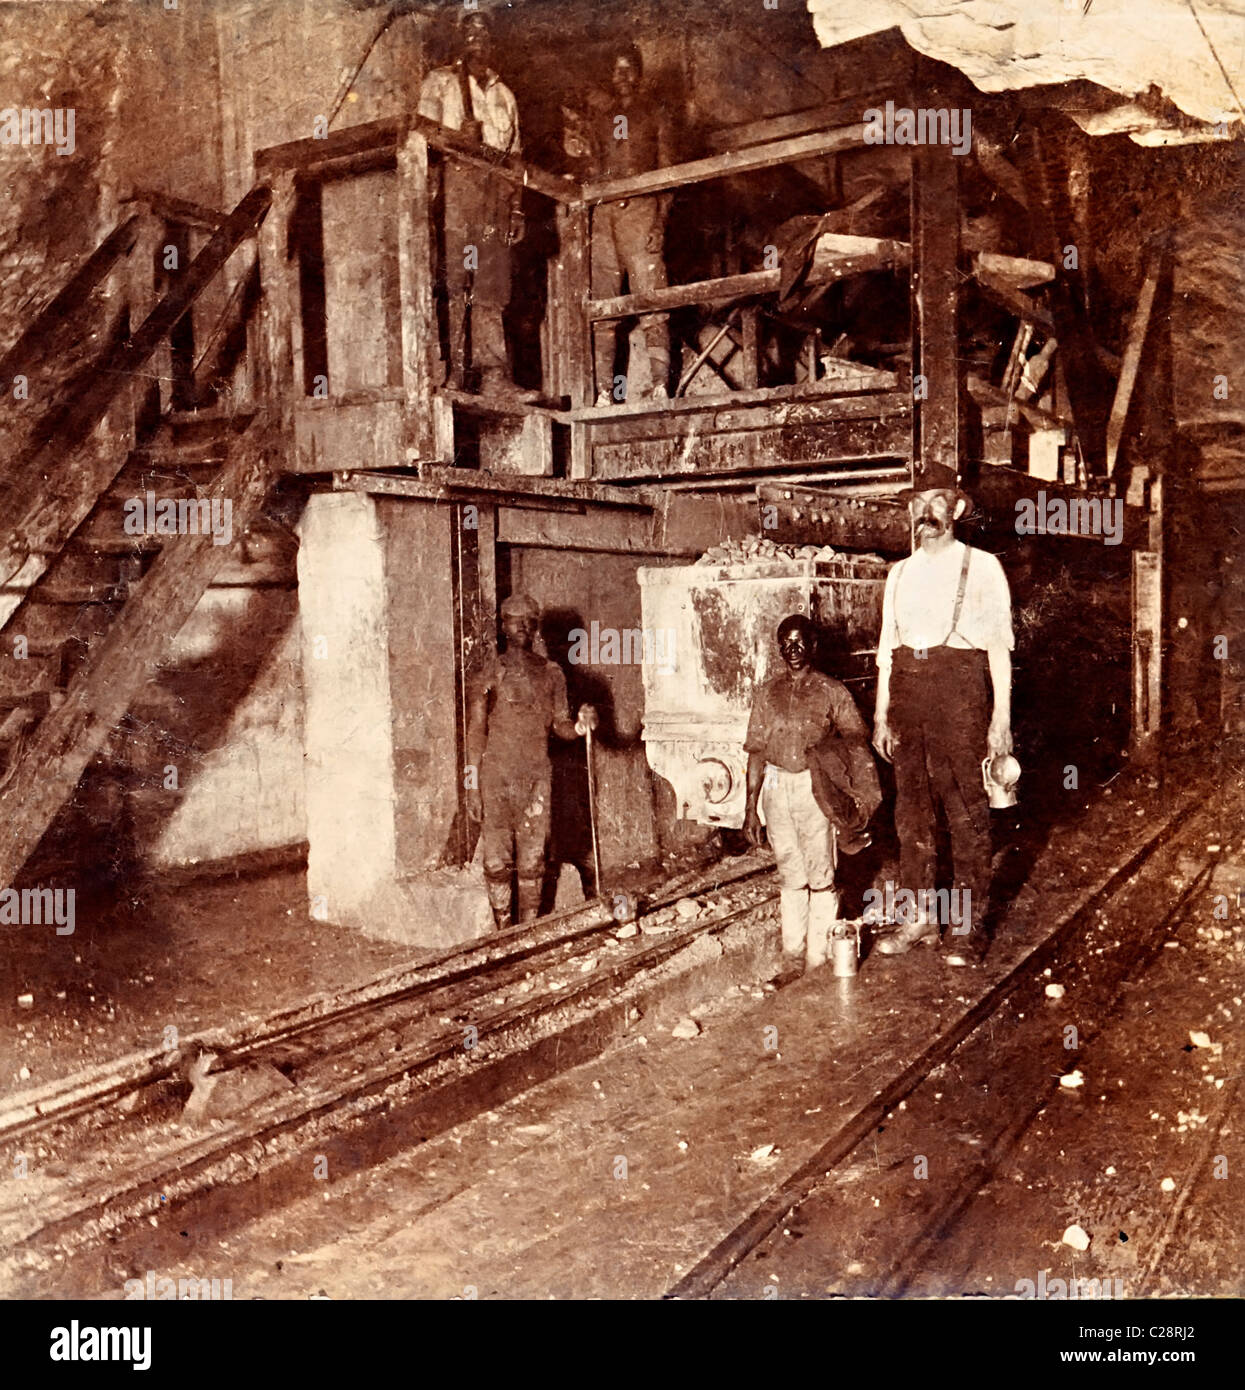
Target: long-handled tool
592 811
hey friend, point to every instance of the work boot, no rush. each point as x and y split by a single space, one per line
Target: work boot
823 913
790 970
909 936
529 899
967 950
499 901
793 913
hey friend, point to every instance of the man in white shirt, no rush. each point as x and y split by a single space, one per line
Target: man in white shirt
482 215
943 653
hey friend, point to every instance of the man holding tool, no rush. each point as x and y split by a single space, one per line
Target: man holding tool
514 703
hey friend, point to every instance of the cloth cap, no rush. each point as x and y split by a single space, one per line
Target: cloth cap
520 606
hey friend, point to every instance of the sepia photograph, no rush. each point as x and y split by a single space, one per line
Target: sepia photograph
622 667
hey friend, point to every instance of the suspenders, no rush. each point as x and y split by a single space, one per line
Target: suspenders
959 594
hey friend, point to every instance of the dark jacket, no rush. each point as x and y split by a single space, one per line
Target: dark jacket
845 779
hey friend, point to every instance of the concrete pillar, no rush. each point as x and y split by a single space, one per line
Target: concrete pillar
347 711
382 720
425 698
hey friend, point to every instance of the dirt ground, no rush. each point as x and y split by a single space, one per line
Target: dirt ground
192 956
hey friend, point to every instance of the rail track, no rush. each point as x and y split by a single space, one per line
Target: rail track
374 1070
415 1041
1136 893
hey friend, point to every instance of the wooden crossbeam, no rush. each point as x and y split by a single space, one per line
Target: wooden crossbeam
766 156
835 258
173 209
1013 300
361 147
65 741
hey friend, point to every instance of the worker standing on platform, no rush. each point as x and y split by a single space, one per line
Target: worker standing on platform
944 650
513 704
483 217
617 134
792 714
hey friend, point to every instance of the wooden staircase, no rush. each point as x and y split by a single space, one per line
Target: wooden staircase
89 607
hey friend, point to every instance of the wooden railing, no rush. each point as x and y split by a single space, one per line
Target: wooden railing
53 483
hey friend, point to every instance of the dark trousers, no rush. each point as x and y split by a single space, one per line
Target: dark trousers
477 221
628 238
515 831
940 714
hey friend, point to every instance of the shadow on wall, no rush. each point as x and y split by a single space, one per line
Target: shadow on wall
122 809
571 832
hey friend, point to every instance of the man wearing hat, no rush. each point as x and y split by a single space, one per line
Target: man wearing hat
513 704
792 715
943 704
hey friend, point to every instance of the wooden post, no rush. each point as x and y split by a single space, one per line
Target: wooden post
146 282
574 253
281 375
751 347
1147 625
442 429
935 244
415 273
475 595
1056 239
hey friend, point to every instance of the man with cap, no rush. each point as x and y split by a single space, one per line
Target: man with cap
943 705
791 714
514 702
483 219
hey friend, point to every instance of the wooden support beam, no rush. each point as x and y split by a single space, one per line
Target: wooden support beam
375 143
829 263
1147 632
282 384
1055 228
1131 362
1000 170
1013 301
986 393
935 349
997 490
173 209
789 123
751 347
828 399
420 342
65 305
143 296
575 369
767 156
68 738
437 483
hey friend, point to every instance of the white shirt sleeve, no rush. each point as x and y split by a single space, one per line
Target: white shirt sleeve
996 602
888 637
431 101
512 109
